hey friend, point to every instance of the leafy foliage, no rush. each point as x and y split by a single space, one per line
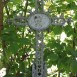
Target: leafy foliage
18 53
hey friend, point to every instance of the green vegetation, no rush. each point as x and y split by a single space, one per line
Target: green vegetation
17 42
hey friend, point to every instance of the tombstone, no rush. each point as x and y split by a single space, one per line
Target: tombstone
39 21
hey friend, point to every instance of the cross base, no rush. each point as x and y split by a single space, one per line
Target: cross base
37 72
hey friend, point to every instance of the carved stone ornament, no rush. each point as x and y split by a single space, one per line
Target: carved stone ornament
39 21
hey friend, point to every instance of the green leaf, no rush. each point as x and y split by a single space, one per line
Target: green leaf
57 30
74 66
16 1
53 56
74 53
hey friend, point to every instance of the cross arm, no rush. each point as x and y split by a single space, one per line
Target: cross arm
60 20
18 21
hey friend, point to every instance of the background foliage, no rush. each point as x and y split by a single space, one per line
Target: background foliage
17 42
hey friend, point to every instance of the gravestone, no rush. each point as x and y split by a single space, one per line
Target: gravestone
39 21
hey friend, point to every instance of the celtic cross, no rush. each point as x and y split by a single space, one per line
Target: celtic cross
39 21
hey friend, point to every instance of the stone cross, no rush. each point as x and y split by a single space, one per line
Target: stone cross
39 21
